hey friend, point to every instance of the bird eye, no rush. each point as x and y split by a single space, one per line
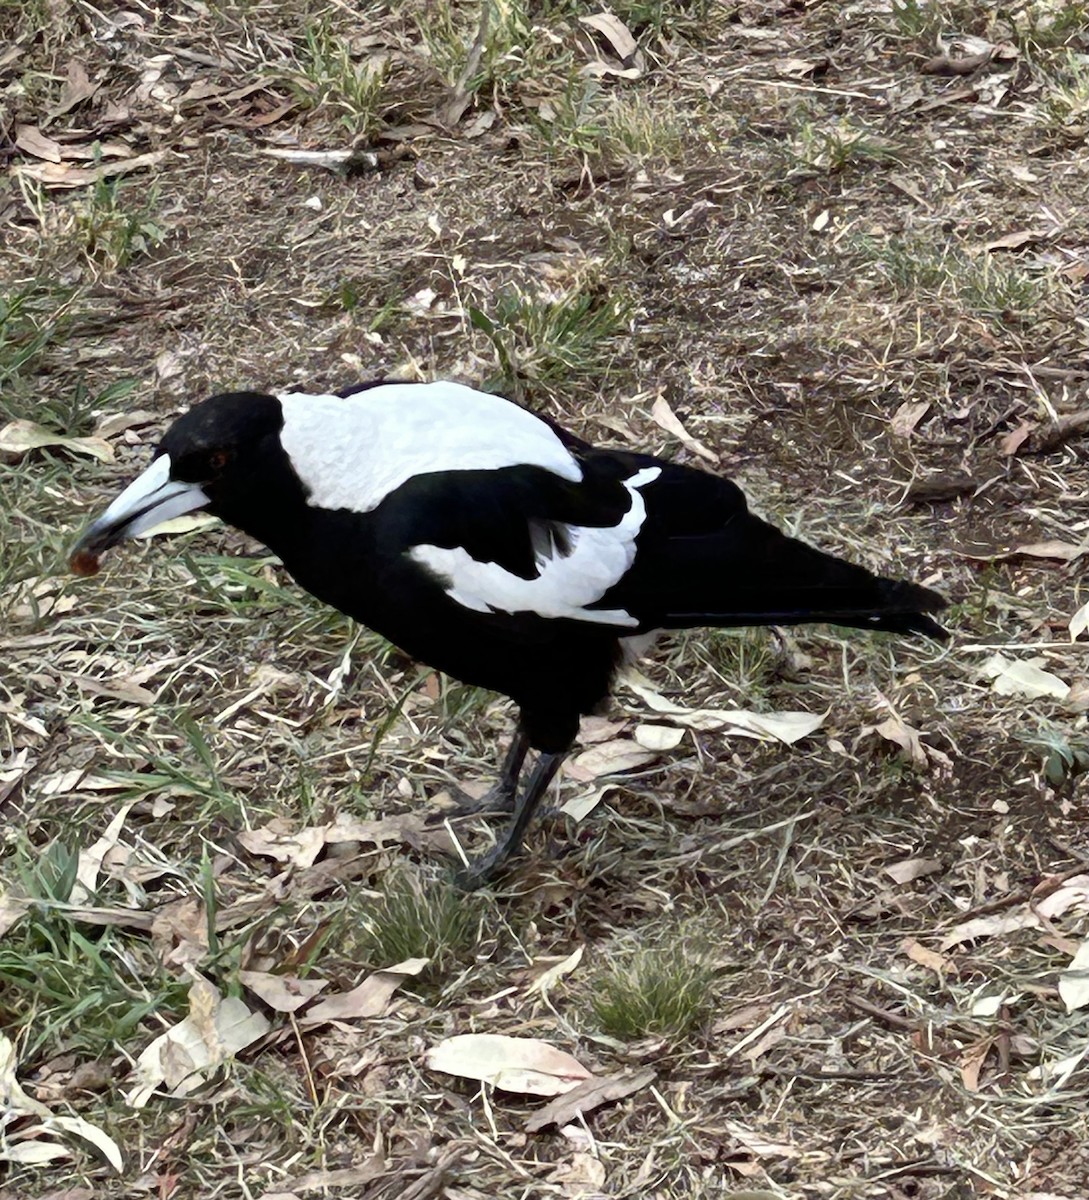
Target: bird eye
218 459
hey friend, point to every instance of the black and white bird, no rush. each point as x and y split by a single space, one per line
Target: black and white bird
494 545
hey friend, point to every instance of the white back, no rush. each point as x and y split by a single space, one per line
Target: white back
352 452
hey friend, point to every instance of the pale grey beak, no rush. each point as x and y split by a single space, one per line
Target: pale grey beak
149 500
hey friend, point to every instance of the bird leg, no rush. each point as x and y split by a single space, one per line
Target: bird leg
500 796
483 869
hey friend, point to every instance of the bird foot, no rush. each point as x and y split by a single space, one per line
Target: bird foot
497 799
482 870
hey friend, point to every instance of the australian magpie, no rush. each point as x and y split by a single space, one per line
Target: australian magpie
494 545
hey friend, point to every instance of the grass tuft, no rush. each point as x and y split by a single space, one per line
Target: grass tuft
328 76
664 990
833 148
544 337
417 918
114 227
982 284
69 988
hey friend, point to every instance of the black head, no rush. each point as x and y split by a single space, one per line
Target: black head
219 437
223 455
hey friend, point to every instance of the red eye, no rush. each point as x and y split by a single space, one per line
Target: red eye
218 459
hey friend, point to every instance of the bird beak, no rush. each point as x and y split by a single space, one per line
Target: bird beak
150 499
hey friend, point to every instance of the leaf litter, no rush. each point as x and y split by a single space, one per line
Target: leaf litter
803 408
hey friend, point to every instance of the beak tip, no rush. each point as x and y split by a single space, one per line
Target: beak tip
84 562
85 557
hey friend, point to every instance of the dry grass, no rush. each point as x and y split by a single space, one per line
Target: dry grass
789 229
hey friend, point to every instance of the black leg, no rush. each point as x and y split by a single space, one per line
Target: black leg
485 868
499 797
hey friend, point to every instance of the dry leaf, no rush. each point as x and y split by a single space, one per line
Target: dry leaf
587 1096
991 926
578 808
324 1181
598 729
664 416
931 959
1074 980
756 1143
1023 678
615 32
12 1096
912 868
797 68
1063 551
767 1041
903 735
1072 893
554 970
283 993
1079 622
745 1017
37 1143
786 727
215 1030
1058 432
77 88
370 999
658 737
114 423
608 758
582 1178
514 1064
1014 440
907 416
62 175
943 64
1014 241
971 1063
20 437
300 849
1055 549
90 860
12 911
303 847
31 140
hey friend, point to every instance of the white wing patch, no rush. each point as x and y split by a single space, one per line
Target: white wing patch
352 452
598 559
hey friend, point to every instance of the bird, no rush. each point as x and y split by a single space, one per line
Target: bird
492 544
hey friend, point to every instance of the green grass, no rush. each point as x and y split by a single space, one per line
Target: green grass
1050 24
746 660
832 148
30 318
982 284
666 989
493 46
116 222
70 987
545 338
418 918
327 76
655 17
1065 102
1064 756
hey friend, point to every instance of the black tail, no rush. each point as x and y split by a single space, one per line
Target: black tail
749 573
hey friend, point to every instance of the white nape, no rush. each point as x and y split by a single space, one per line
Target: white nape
352 452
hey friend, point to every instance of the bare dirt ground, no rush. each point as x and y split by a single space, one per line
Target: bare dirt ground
845 246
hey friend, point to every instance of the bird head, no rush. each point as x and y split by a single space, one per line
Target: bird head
208 459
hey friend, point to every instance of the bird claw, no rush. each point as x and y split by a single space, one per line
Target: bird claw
480 871
497 799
